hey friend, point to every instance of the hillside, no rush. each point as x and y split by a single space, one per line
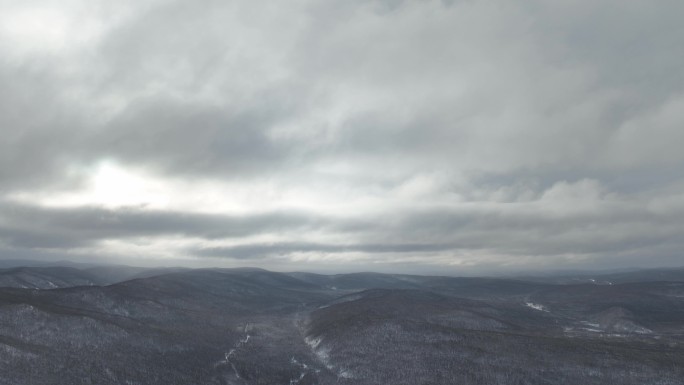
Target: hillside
252 326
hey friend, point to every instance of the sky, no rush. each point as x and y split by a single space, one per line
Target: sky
459 137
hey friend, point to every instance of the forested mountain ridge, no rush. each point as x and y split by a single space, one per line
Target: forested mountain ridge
252 326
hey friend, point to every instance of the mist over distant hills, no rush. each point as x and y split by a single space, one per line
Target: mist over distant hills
117 324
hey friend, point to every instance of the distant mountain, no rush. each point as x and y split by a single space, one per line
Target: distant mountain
52 277
462 286
7 263
117 273
358 281
633 276
652 275
46 277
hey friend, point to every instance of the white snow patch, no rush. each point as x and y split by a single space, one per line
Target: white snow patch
304 368
312 342
536 307
322 354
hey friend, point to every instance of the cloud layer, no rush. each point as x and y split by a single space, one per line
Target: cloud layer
466 135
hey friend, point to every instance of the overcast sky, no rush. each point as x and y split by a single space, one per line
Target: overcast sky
461 136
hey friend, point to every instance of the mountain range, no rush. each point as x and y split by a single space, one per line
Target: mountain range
74 324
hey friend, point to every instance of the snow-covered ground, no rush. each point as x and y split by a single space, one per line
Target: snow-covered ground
303 368
536 306
324 356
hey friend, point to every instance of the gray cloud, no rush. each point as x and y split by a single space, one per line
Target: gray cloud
178 138
490 132
261 250
31 226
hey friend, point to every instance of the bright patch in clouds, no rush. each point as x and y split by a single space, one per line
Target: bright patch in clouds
31 29
111 186
36 27
114 186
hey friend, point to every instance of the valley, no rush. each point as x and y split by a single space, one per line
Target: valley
252 326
